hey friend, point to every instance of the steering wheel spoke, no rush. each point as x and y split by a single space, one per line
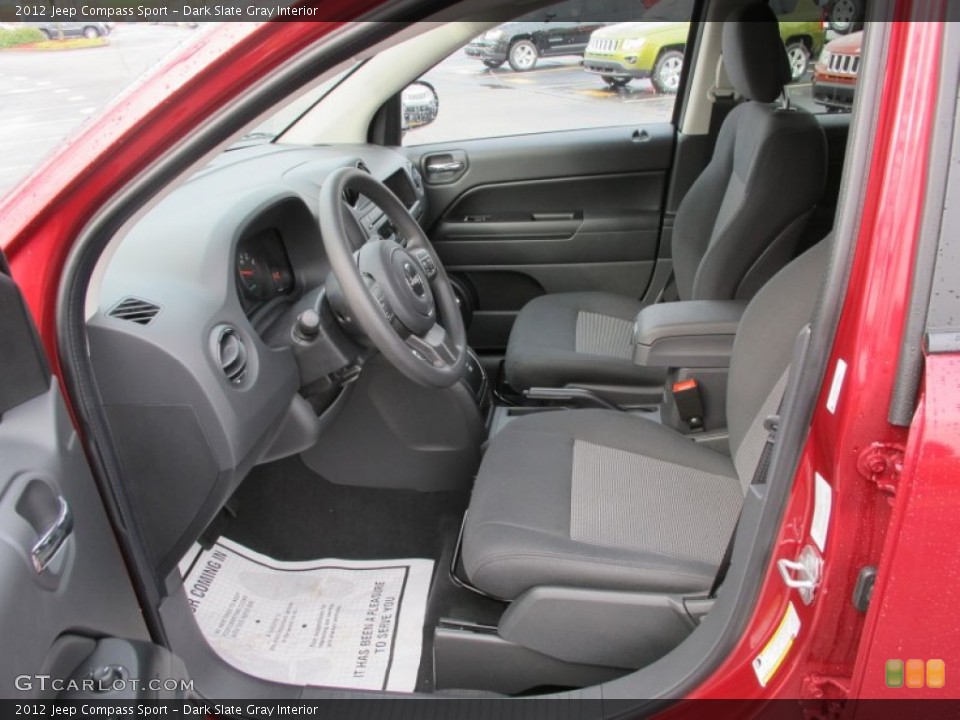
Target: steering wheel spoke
427 262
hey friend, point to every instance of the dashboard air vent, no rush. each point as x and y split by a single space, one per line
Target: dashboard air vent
135 310
231 354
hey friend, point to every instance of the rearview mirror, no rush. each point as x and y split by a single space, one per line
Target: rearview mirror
420 105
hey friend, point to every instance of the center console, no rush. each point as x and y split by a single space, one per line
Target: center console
693 334
694 341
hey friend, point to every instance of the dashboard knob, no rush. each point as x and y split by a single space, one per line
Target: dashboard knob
308 325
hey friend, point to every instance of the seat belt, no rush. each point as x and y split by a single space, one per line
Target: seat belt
772 424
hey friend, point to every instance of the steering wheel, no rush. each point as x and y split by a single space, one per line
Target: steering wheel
394 293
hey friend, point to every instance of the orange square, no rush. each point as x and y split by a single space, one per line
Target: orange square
936 673
914 674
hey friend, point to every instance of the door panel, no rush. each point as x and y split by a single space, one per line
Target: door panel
552 212
62 577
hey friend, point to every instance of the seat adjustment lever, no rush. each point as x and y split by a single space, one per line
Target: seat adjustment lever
581 396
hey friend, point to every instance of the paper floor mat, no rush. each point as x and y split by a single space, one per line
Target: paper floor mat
341 623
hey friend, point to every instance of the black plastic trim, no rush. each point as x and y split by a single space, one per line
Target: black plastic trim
936 239
942 322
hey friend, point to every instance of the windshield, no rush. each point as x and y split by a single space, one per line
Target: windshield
276 124
54 77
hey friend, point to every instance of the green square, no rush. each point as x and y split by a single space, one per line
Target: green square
894 673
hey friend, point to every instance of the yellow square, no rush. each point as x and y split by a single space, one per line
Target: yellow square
936 673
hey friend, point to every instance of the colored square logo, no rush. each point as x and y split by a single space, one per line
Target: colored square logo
914 673
936 674
894 673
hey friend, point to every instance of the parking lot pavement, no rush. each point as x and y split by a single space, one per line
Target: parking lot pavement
44 96
476 101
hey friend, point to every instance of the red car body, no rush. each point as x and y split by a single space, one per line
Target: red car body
897 493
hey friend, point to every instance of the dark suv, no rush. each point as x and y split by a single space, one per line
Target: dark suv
561 29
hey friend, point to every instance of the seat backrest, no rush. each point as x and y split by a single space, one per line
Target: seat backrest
742 218
762 353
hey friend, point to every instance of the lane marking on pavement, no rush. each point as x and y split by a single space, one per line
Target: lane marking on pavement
519 81
61 90
541 71
75 98
87 111
596 93
488 73
44 83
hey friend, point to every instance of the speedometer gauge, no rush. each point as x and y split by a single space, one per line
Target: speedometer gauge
252 276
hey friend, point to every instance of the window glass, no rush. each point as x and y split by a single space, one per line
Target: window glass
56 76
576 64
823 40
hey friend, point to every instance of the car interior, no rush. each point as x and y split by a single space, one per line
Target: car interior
497 403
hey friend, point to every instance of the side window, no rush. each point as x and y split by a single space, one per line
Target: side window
823 40
576 64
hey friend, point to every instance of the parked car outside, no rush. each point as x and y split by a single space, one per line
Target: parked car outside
643 50
522 44
54 30
555 31
835 74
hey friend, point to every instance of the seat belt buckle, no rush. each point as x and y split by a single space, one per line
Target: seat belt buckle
689 403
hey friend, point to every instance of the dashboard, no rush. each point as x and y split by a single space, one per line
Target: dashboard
204 381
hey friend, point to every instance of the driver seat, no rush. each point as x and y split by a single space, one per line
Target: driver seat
605 500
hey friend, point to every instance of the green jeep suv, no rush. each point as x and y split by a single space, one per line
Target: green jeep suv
654 50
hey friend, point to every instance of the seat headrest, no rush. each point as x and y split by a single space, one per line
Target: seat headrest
753 53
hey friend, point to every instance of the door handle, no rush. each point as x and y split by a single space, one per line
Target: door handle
53 538
444 167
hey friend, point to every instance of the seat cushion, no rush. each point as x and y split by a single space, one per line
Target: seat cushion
576 338
598 499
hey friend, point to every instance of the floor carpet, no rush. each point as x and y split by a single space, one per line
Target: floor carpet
287 512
